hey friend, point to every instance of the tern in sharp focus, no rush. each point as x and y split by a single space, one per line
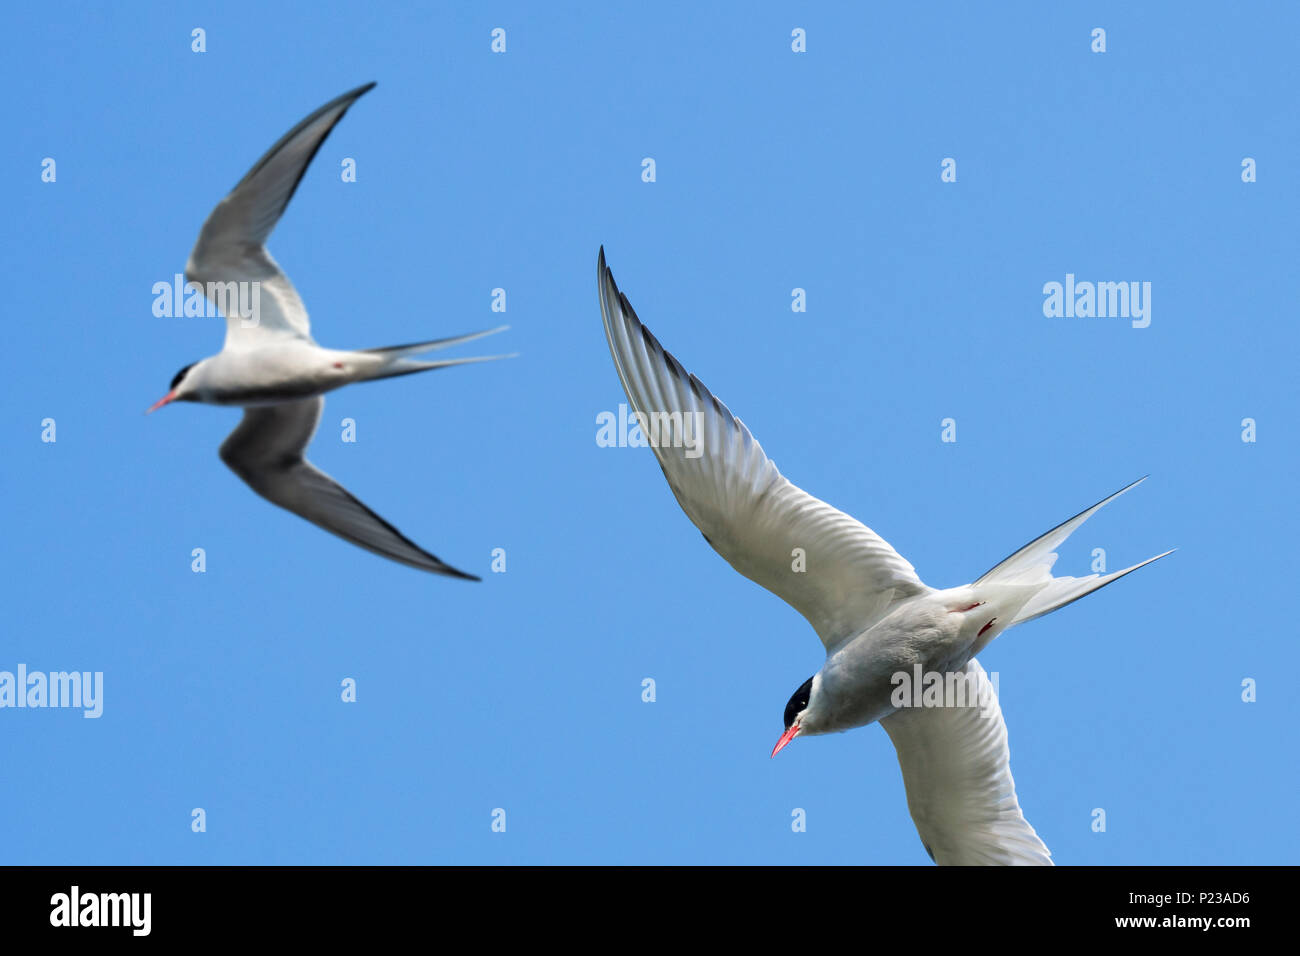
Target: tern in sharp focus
272 367
872 612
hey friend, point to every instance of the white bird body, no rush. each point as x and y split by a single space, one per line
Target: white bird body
929 631
880 624
279 372
285 370
272 367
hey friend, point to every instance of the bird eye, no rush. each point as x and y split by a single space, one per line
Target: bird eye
180 375
798 702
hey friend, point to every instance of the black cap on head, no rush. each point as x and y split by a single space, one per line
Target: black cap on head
180 375
798 702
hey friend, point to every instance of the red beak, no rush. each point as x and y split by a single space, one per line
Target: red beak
789 735
161 402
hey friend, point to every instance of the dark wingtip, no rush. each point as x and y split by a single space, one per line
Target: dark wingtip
347 99
451 572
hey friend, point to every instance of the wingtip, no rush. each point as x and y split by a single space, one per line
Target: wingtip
447 571
347 99
604 274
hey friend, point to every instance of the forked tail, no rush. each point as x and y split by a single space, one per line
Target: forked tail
396 362
1032 564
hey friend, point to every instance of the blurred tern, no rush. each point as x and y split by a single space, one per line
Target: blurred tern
875 617
272 367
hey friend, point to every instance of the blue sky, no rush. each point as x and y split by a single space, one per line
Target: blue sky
774 170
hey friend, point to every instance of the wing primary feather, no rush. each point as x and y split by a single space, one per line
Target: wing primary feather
737 497
957 772
349 98
266 451
230 251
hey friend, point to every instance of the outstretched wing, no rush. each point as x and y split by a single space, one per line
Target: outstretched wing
266 450
231 247
747 511
957 772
